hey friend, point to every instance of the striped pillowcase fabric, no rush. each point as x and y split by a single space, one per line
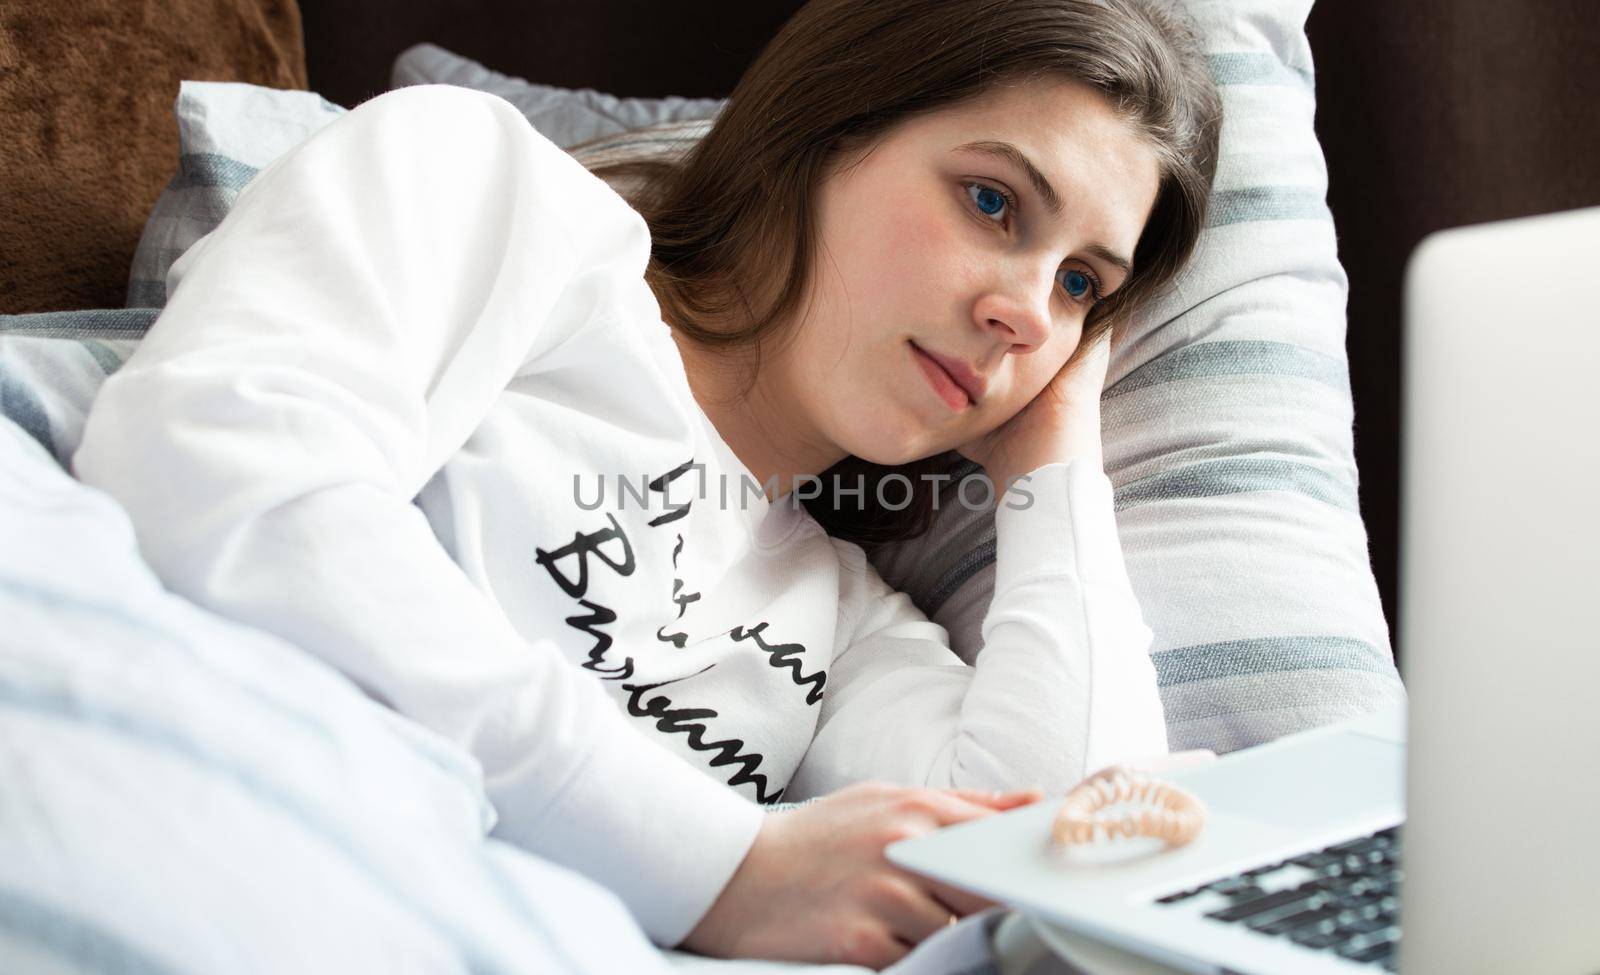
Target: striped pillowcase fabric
227 132
53 363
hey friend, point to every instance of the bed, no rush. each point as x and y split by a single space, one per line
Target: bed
185 794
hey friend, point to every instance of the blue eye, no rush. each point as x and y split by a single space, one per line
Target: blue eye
989 200
1078 283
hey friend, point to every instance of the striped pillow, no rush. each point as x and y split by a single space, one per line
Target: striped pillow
52 364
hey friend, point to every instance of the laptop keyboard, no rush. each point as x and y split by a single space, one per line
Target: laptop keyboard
1343 899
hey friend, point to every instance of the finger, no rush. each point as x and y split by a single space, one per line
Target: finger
948 807
1098 356
1085 367
1000 800
952 900
960 902
910 911
872 947
1100 348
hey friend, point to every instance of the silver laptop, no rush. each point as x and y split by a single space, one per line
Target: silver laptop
1479 851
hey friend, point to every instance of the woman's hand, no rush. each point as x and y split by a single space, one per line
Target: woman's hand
1061 423
816 886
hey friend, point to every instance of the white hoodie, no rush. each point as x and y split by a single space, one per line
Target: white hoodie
372 420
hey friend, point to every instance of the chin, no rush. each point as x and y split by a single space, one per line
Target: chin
892 443
888 458
893 454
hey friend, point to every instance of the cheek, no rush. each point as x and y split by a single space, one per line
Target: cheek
897 254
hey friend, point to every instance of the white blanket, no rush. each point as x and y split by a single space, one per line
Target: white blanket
182 794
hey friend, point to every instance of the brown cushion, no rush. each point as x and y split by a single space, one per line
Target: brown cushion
86 93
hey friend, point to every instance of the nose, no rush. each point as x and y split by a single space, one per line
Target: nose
1018 307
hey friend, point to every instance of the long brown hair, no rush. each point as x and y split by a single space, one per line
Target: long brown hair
732 217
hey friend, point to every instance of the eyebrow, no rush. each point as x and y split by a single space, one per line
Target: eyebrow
1007 152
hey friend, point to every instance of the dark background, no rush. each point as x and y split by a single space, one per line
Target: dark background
1432 114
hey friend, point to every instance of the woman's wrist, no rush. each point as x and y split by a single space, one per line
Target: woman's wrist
1071 446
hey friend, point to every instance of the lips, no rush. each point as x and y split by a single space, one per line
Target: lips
957 385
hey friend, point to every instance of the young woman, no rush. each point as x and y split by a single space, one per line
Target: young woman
377 413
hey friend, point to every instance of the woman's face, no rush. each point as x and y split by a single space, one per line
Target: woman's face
922 260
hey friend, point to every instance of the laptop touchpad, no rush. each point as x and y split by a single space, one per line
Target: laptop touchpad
1307 784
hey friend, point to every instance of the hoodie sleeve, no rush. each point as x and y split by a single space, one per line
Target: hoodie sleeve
1062 687
324 352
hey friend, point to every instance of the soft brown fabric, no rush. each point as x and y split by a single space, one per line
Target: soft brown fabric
87 137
